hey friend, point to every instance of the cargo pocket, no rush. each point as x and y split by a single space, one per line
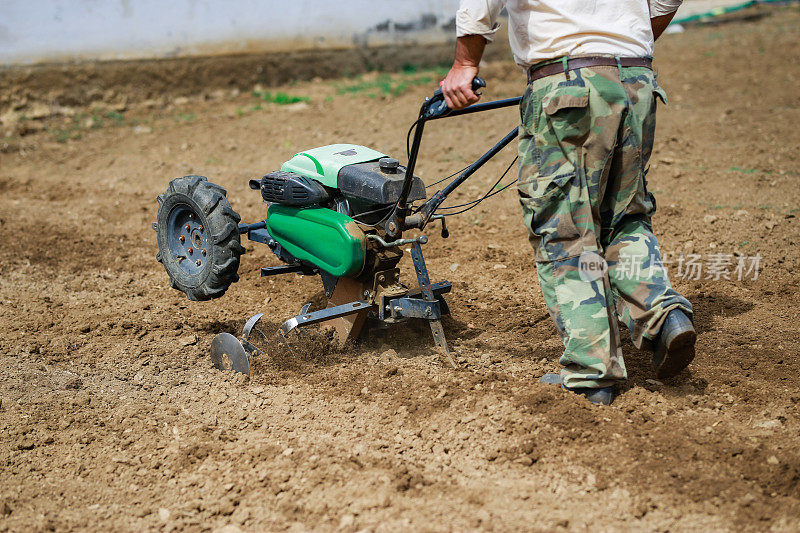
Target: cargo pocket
565 98
549 216
563 126
642 202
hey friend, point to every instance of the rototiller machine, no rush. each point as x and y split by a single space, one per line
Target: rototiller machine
339 211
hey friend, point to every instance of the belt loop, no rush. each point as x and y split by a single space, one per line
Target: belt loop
619 67
565 63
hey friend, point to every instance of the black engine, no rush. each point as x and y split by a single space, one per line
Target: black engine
364 185
288 188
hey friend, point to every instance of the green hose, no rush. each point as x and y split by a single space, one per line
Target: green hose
717 11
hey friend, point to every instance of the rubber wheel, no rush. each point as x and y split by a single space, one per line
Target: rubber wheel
198 238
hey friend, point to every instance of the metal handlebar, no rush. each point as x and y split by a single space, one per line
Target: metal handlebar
434 108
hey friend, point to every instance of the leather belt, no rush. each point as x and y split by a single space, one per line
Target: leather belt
557 67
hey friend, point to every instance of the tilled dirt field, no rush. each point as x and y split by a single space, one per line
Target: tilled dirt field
113 418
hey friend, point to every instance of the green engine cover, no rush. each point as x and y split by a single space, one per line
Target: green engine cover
324 163
330 240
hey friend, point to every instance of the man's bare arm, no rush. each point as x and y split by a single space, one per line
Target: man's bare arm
457 85
660 23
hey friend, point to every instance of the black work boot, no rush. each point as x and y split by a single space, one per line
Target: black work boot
674 348
602 396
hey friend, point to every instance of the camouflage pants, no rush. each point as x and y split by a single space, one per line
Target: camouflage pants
585 141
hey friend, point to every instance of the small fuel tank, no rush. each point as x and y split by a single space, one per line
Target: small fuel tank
328 239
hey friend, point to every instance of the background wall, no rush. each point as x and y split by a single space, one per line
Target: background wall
58 30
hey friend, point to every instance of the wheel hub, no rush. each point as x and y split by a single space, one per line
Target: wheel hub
188 239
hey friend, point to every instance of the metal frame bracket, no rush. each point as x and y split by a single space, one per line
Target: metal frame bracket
415 308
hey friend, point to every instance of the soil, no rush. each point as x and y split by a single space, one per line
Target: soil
120 82
112 417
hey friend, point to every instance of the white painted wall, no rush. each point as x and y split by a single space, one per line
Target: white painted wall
56 30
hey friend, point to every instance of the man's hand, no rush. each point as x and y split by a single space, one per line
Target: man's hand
457 85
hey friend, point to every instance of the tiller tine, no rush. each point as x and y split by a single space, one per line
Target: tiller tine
427 291
228 353
345 313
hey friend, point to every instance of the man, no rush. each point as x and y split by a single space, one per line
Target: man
587 122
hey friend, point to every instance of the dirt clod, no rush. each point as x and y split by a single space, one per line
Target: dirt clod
188 340
74 383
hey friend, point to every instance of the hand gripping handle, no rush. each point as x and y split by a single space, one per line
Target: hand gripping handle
436 106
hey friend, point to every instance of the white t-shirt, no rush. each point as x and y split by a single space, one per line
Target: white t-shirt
546 29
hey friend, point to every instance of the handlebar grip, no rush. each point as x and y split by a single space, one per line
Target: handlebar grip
477 83
436 104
